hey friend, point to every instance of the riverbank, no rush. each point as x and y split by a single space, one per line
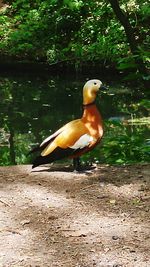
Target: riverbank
54 217
11 65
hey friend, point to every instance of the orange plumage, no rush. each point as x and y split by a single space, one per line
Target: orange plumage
76 137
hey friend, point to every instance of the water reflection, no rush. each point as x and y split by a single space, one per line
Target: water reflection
33 107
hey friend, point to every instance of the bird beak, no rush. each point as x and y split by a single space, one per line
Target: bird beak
104 88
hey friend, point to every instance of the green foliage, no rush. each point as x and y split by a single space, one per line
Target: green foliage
30 111
122 145
145 103
76 31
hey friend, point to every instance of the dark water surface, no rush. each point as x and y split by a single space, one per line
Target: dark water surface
33 107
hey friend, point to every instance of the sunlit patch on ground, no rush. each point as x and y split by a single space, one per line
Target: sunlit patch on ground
58 218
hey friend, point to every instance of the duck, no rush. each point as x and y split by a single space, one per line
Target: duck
78 136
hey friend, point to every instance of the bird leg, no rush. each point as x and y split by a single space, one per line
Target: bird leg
77 164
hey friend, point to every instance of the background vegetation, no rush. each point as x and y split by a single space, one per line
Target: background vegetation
113 33
89 34
32 108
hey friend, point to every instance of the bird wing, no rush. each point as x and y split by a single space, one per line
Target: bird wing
73 135
51 137
46 142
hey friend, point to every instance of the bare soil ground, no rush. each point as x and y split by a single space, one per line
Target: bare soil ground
54 217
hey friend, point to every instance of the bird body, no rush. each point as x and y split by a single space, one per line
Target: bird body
76 137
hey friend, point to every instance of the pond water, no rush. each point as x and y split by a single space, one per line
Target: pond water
34 106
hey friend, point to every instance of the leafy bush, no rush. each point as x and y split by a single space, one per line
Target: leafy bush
77 31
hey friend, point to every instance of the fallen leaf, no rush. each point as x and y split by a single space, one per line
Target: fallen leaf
25 222
112 201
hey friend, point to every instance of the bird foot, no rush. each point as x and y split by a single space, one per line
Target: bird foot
79 168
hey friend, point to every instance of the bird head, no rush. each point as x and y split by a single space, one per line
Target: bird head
90 91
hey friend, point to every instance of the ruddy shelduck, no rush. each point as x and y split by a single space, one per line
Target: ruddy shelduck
76 137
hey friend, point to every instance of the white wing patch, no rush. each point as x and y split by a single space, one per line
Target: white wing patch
82 142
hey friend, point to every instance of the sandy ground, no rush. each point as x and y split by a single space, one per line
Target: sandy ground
54 217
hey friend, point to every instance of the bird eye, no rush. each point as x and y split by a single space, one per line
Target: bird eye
95 83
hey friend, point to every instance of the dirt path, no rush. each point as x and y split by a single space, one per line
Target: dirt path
59 218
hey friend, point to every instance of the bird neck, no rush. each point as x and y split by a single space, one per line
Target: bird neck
88 105
91 113
93 121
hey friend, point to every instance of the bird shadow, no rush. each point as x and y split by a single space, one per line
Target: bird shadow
84 169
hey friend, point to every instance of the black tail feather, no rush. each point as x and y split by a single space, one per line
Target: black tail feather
35 149
57 154
40 160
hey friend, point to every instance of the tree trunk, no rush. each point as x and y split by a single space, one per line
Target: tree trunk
12 146
130 34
